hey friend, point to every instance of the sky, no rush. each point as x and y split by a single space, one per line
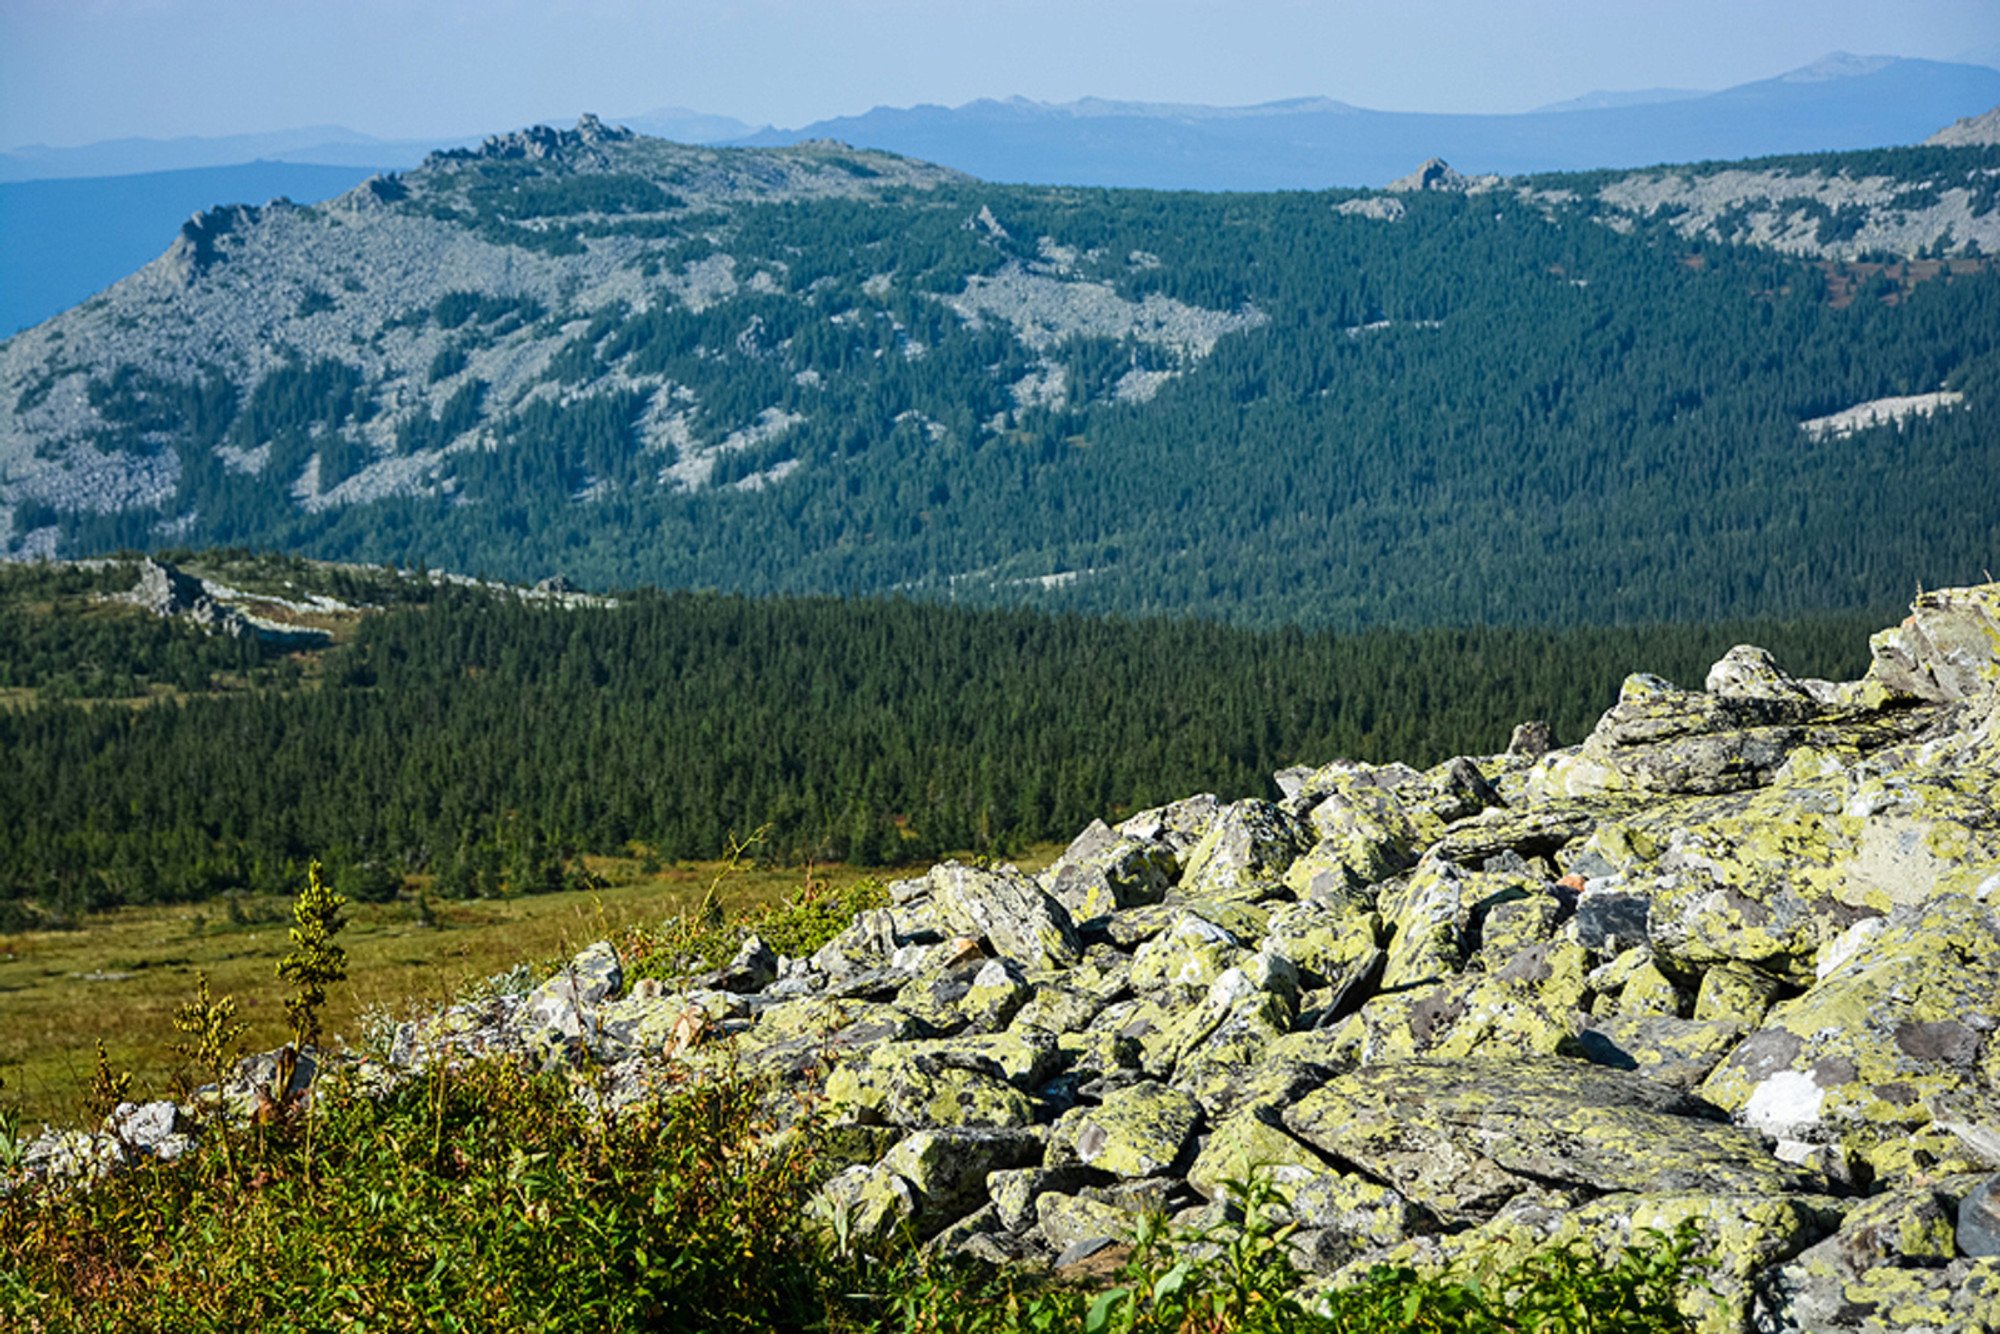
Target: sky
78 71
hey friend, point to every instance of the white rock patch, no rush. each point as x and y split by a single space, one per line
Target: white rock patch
1879 412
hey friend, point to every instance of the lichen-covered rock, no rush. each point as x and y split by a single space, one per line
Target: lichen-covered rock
1010 910
1462 1137
1245 1011
1530 1005
1739 1237
806 1035
1527 834
1948 649
564 1008
1749 672
1179 825
1102 871
1429 920
1736 993
1977 1231
1885 1042
868 943
1330 948
1840 1283
947 1169
1141 1130
1059 1009
1648 990
666 1022
1065 1220
1244 853
929 1089
1013 1191
994 996
1518 918
1358 1214
864 1202
1680 1052
1189 955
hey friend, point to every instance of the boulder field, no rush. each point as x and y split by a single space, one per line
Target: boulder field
1735 959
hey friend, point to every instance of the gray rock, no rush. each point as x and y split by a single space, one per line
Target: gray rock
948 1167
1141 1130
1244 853
1463 1137
1978 1226
1612 923
1008 909
153 1128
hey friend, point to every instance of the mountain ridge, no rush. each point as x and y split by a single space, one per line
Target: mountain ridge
825 369
1840 102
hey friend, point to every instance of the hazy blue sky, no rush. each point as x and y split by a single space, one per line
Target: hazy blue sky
76 71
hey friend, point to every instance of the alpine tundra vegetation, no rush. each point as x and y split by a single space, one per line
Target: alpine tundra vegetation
1689 1026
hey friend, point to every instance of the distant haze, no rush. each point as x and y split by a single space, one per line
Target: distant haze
79 71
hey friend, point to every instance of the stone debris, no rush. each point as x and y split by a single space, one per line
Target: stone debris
1734 958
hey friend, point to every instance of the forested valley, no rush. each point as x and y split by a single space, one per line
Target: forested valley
483 739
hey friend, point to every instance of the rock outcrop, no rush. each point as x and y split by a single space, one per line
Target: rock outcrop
1969 132
1734 959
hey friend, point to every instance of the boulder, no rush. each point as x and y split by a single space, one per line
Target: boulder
947 1168
1463 1137
1102 871
1892 1265
1886 1043
1977 1229
1141 1130
1948 648
1679 1052
1244 853
1008 909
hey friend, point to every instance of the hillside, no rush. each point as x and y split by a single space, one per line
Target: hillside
1545 400
68 239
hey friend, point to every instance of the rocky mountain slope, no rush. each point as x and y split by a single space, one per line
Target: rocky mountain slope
818 369
1734 959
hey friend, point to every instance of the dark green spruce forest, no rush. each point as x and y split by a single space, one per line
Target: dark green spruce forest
486 740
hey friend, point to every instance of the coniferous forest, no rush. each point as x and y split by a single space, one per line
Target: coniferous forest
485 739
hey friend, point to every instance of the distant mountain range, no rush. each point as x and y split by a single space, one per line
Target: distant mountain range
1840 102
319 145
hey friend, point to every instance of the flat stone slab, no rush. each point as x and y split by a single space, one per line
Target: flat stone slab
1465 1136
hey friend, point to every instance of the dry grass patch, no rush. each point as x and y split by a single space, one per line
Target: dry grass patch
119 978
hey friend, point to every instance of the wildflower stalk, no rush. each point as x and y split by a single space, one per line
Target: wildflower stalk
213 1026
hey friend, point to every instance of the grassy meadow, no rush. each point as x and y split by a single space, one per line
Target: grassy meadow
119 978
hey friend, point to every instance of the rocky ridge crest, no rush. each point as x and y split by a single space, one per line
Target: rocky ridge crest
1734 958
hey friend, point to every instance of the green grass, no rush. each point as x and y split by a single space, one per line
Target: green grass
490 1199
118 978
